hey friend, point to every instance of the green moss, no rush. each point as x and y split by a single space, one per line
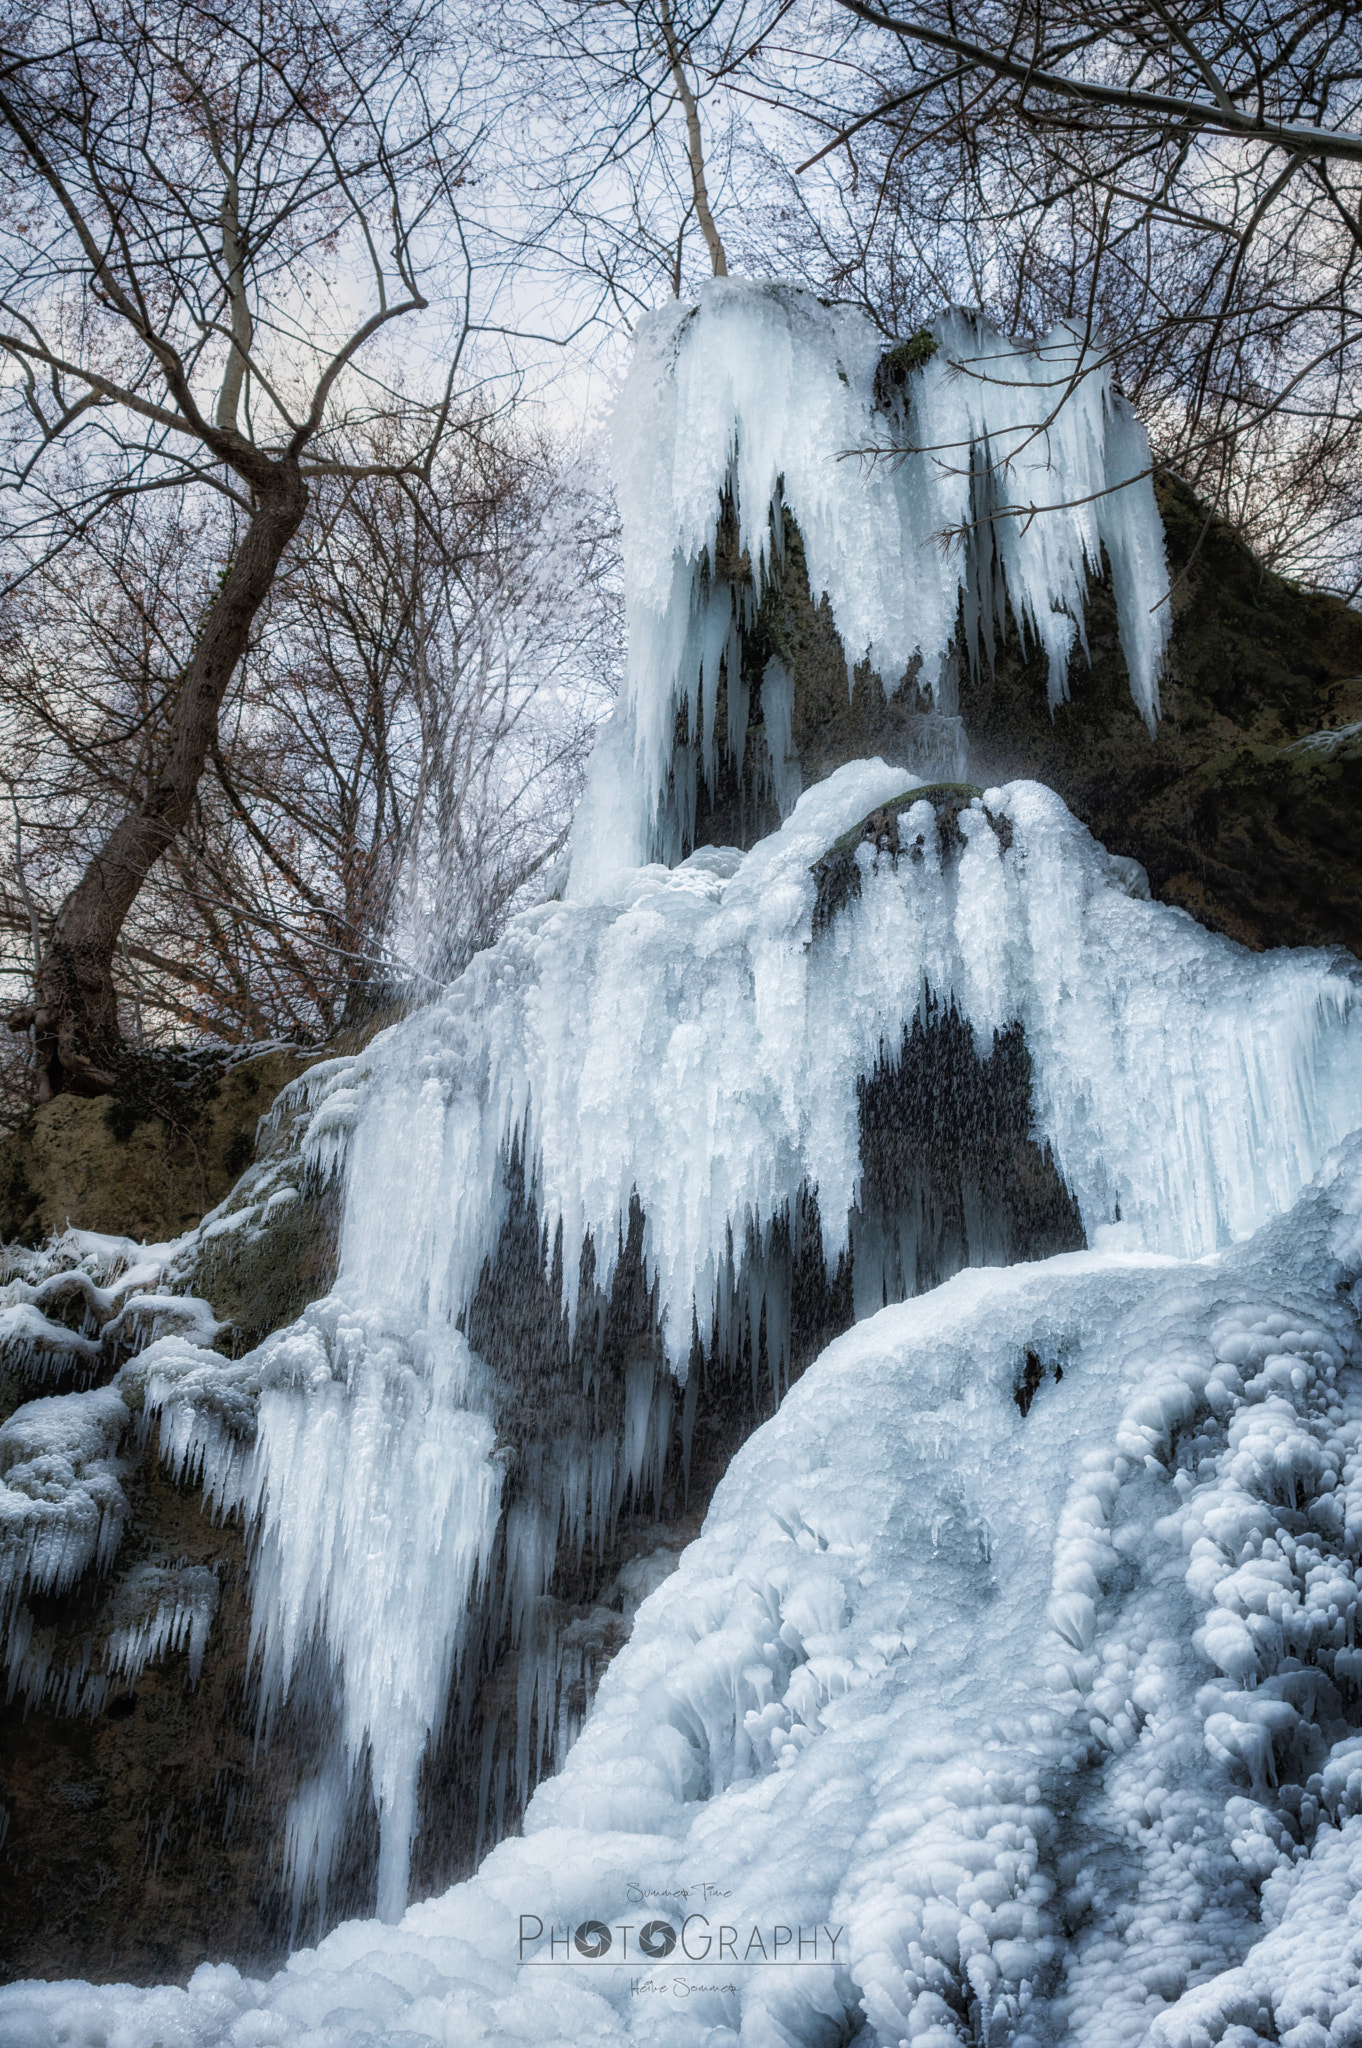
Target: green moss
913 353
942 796
897 365
260 1282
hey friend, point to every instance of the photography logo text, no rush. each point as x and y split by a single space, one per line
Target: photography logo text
674 1936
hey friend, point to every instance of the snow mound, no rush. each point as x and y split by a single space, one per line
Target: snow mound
1049 1721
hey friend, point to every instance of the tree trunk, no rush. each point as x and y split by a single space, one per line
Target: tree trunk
74 1017
694 150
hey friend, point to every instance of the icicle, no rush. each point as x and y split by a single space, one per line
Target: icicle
376 1439
155 1610
755 400
777 713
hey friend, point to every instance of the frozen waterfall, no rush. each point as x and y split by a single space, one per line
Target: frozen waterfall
1040 1717
697 1045
954 1558
997 480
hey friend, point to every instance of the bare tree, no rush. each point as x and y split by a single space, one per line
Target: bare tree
396 758
622 139
677 60
1184 178
210 213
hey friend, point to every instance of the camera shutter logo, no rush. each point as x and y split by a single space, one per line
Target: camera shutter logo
592 1940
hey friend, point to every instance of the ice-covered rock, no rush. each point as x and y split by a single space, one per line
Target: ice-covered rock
760 397
697 1044
941 1683
698 1041
89 1305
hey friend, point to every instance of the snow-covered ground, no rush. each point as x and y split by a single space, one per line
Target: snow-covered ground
1042 1717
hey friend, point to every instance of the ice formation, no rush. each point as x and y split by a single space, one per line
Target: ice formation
696 1044
72 1311
1047 1717
61 1504
1020 1647
762 397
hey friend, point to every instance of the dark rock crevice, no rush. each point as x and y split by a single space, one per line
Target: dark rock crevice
1245 807
835 717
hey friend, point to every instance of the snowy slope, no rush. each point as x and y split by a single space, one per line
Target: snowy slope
1049 1714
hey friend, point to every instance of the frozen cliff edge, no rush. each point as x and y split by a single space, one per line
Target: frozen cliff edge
1055 1714
697 1040
917 509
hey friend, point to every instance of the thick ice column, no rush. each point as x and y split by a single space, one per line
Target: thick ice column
376 1502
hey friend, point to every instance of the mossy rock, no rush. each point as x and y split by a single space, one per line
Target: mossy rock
947 799
145 1836
149 1161
259 1281
898 363
838 873
1233 814
134 1164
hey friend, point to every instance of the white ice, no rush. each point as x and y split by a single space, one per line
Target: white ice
62 1505
763 392
693 1041
956 1685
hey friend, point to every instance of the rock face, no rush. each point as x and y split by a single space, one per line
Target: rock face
143 1833
145 1163
1246 806
834 719
144 1836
